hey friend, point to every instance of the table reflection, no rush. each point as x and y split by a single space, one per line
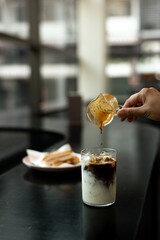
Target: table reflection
99 223
53 178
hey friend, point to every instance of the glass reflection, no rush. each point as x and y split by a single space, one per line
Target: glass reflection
99 223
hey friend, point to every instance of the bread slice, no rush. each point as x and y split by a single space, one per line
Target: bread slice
57 158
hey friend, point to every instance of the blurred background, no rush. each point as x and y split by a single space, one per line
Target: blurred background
52 48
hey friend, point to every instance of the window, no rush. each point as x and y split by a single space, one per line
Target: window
14 17
37 66
150 17
14 76
119 8
58 22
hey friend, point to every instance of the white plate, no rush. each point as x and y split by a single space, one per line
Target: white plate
62 167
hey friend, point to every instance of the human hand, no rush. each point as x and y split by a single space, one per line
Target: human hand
144 103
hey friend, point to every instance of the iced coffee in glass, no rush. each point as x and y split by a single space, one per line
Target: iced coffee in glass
98 176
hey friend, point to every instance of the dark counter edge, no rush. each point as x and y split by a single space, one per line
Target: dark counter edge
146 230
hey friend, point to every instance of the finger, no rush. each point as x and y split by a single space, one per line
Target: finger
122 119
130 113
130 119
154 89
131 101
135 118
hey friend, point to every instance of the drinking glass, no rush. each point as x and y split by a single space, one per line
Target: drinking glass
98 166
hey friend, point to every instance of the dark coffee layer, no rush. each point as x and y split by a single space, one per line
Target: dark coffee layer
104 171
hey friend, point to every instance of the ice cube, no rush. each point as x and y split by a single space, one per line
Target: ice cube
103 153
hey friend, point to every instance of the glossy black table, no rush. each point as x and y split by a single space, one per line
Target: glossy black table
42 205
15 141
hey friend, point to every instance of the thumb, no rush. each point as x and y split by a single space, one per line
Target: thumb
130 112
